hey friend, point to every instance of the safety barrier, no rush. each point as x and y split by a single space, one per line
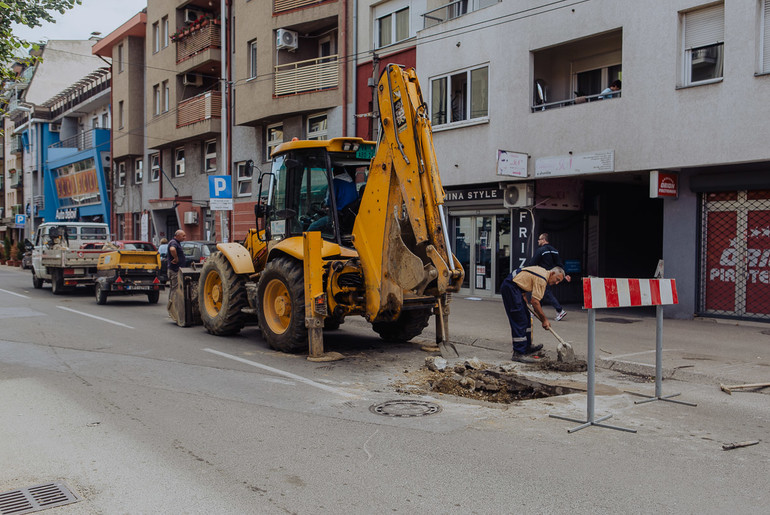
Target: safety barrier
601 293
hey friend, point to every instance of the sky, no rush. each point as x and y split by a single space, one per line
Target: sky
79 22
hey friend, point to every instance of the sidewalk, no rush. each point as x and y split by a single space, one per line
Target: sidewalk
704 351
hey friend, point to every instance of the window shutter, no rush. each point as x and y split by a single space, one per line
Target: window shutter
766 37
704 27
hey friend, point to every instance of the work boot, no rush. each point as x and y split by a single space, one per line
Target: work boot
523 358
533 349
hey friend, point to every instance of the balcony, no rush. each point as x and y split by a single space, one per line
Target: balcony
202 107
192 41
453 10
309 75
17 144
16 180
280 6
17 209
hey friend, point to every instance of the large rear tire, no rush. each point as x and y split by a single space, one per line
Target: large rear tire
281 294
221 296
57 282
409 324
100 293
37 283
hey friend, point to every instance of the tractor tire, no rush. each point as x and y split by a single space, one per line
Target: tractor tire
408 325
221 296
153 297
37 283
281 296
57 282
100 293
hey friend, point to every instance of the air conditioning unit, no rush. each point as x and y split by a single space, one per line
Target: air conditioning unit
190 15
286 39
192 79
55 127
518 195
191 217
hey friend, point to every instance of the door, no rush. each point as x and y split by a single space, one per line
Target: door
482 244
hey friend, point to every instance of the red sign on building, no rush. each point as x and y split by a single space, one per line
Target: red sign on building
664 184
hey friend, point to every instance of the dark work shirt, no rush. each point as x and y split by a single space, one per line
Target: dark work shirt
181 258
546 256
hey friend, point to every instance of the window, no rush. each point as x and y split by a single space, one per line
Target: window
155 168
120 115
593 82
121 180
704 35
460 96
138 171
164 21
155 37
179 163
316 127
393 27
210 156
764 58
120 58
156 99
106 120
95 122
274 137
166 96
252 59
244 179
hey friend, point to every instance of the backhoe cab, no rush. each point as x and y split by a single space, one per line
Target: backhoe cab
383 251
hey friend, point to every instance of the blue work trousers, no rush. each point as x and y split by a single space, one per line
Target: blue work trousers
518 315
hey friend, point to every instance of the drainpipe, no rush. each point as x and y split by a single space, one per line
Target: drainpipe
345 69
355 65
225 111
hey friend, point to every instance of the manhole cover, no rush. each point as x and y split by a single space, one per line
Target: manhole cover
35 498
405 408
617 320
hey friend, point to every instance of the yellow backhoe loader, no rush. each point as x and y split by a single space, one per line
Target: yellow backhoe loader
344 227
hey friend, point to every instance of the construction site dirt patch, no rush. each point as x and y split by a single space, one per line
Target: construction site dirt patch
501 384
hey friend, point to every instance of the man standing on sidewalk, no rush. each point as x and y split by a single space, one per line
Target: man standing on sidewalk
547 256
531 280
176 259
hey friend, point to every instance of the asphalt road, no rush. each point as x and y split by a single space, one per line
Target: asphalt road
137 415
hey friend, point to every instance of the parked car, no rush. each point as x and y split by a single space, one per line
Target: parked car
198 251
163 251
26 260
133 245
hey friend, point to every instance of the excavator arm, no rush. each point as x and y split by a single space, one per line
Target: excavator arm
400 231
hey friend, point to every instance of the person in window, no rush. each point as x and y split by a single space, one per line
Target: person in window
345 194
610 92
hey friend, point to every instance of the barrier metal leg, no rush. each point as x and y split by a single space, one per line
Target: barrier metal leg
659 366
590 385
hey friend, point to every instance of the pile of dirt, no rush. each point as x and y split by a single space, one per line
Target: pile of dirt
475 380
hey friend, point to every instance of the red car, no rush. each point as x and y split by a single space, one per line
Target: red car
134 245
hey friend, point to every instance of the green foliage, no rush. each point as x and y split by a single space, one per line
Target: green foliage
31 13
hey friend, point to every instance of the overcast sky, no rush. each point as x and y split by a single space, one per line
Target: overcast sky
79 22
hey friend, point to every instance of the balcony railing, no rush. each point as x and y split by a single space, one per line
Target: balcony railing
198 40
287 5
576 100
80 141
310 75
17 144
17 180
199 108
453 10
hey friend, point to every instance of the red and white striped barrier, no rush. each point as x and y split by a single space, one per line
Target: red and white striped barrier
621 293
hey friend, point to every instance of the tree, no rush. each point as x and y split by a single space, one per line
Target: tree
31 13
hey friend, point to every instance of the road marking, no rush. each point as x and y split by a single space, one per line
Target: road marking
14 293
283 373
96 317
638 354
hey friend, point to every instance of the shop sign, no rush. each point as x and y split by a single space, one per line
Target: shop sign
511 164
474 195
664 184
601 161
521 231
68 214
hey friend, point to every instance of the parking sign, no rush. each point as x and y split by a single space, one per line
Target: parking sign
21 220
220 193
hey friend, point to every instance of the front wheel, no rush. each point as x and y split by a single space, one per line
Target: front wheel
409 324
221 295
281 294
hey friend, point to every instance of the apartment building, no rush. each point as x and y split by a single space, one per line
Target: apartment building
532 114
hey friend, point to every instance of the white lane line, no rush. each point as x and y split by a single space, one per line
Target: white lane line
94 316
14 293
638 354
283 373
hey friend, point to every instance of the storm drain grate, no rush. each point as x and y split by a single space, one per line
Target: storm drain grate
35 498
404 408
618 320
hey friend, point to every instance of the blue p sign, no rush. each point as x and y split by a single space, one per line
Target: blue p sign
220 186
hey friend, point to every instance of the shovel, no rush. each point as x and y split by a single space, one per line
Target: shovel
564 352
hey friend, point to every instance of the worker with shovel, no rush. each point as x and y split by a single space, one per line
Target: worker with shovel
515 287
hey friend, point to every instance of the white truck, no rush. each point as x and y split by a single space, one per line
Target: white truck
66 254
